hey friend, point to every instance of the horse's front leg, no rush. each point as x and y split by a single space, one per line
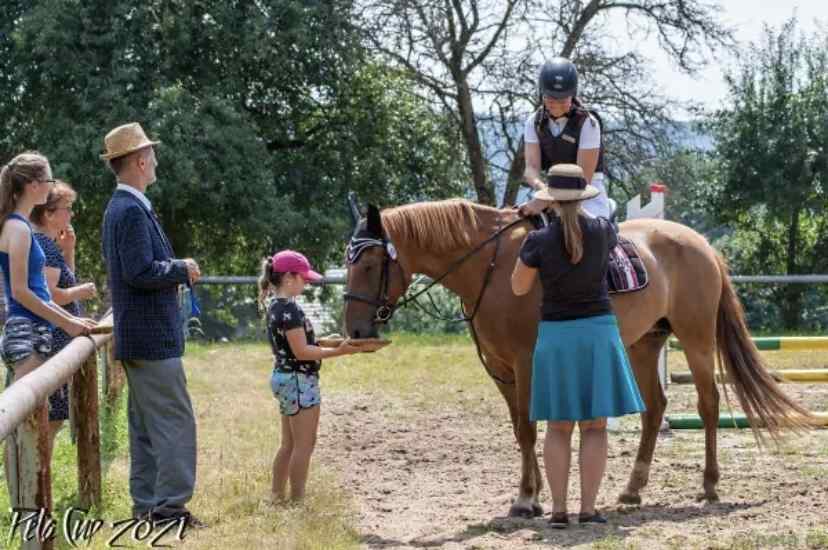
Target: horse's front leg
517 398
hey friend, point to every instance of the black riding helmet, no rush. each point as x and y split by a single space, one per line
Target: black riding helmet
558 78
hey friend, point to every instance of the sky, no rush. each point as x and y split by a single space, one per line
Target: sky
748 18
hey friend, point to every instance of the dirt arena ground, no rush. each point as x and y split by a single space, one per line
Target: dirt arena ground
441 471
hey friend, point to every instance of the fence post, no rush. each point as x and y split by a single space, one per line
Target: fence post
114 374
29 471
84 403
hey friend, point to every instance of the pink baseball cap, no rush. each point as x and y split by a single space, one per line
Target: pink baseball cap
290 261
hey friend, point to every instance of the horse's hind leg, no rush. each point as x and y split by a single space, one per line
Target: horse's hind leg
517 399
644 358
702 362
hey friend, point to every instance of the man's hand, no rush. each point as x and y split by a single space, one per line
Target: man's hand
193 272
532 208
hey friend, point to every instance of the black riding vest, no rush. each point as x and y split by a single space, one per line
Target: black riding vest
564 148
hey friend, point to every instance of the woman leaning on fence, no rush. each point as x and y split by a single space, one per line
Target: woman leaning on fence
25 182
53 232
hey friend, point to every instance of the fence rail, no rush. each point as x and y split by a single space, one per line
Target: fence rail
337 277
24 423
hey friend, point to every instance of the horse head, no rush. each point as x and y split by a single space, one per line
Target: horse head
375 278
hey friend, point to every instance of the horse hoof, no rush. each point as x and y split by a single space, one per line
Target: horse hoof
707 497
537 510
630 498
521 511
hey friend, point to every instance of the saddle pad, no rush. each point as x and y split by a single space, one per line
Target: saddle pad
626 271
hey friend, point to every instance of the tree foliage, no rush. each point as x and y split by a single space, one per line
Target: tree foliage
268 113
772 160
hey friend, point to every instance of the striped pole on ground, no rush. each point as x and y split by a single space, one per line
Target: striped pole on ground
803 376
694 422
772 343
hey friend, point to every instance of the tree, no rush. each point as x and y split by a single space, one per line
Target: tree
478 59
269 112
772 159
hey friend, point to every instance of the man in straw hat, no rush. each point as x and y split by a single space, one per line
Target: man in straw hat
144 278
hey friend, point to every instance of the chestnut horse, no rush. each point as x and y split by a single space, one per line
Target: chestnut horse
472 249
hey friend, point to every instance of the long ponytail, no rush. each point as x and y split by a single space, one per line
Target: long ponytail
22 169
573 235
269 281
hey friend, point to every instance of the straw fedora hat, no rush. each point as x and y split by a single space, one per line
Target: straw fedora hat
124 140
566 183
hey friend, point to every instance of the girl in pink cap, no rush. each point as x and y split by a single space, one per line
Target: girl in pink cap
297 359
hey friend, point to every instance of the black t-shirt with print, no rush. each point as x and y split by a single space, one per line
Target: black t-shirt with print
284 315
572 291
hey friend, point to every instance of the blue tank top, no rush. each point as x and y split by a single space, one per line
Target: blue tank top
37 279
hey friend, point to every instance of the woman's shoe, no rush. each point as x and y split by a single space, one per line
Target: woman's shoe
595 517
559 520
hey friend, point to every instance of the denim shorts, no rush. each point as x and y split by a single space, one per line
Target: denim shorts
21 338
295 391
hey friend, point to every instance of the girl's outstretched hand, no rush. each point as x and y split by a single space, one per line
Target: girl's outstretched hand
347 348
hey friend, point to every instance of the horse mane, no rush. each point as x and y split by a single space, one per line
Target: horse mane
441 226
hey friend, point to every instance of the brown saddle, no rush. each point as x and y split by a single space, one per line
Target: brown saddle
626 272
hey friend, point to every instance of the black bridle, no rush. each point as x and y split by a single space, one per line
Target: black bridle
385 308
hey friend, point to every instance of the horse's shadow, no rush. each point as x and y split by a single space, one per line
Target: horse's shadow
621 523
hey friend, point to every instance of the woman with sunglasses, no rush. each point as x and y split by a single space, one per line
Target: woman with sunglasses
25 182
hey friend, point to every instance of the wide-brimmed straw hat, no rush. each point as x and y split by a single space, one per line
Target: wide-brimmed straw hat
566 183
124 140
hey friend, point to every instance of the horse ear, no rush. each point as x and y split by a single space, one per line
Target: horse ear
353 207
374 225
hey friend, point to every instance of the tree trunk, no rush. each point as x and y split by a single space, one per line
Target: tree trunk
482 185
515 176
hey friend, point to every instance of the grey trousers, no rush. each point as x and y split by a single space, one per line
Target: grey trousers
162 436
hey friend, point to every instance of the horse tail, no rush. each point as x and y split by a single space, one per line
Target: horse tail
760 396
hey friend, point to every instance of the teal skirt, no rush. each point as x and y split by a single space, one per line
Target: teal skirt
580 371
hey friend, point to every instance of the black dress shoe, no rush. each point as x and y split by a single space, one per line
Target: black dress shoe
191 522
559 520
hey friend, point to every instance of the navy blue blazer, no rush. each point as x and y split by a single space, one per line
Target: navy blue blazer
144 278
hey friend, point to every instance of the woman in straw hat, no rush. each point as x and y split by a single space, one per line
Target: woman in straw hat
580 370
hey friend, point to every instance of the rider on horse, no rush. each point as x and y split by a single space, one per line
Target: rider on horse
563 131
